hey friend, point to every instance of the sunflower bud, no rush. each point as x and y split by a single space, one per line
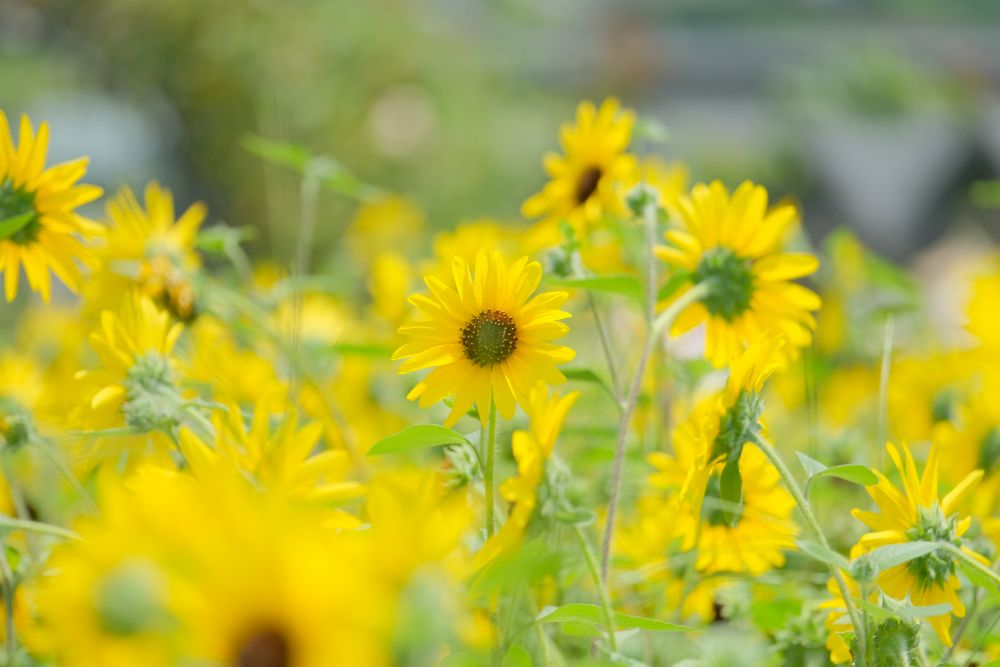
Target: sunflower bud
16 425
152 400
129 599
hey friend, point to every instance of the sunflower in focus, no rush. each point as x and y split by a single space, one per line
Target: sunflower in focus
39 228
150 248
736 245
912 514
586 180
486 338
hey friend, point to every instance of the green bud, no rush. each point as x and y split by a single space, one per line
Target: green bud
640 198
129 599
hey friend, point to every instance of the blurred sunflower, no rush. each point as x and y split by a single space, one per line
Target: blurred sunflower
736 244
532 448
915 513
586 181
486 338
151 249
39 228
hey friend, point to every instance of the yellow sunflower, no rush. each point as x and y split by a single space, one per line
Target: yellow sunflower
982 307
39 228
486 337
586 181
736 244
151 249
915 513
532 448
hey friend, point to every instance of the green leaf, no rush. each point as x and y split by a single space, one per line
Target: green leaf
576 515
587 375
824 555
362 350
731 492
219 239
892 555
277 152
851 472
416 437
10 523
15 223
625 285
978 574
905 610
517 657
810 465
581 612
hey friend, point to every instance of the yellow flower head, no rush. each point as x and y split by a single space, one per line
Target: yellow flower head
486 337
532 448
151 249
39 228
134 384
735 243
586 181
915 513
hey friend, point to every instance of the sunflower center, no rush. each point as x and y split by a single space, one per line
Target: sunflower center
268 647
489 338
732 282
18 216
935 568
989 451
587 184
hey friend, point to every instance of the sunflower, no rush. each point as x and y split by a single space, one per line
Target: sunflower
135 383
587 180
981 310
39 228
151 249
915 513
735 243
486 338
532 449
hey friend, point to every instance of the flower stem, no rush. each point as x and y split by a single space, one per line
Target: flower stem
602 335
661 324
800 500
491 442
602 587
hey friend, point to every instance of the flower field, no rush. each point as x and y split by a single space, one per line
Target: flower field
647 424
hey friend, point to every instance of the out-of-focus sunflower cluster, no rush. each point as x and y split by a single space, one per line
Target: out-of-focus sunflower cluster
760 457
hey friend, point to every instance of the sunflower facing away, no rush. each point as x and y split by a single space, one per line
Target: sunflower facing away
736 243
915 513
485 337
586 180
39 229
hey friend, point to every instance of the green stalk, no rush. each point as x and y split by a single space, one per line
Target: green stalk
491 430
602 588
800 500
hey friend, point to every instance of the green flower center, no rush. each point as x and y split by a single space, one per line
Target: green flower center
732 282
989 451
489 338
19 220
267 647
587 184
151 400
933 569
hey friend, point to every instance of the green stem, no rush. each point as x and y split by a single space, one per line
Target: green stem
800 500
9 591
609 358
882 432
491 430
602 587
661 324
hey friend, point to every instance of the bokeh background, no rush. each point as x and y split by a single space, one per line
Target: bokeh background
880 115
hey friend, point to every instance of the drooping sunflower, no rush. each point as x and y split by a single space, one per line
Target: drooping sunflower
916 513
587 180
486 338
151 249
39 228
736 243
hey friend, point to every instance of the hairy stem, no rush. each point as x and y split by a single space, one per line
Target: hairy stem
602 588
800 500
491 430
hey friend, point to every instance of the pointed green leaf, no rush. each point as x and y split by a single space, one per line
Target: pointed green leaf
851 472
810 465
580 612
416 437
905 610
625 285
892 555
731 492
15 223
824 555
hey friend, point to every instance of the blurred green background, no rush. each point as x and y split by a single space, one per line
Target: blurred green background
882 115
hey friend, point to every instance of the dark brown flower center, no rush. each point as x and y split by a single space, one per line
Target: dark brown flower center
268 647
489 338
587 184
